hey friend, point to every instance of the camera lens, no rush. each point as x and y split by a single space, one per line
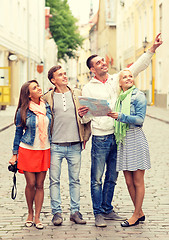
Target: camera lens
13 168
10 168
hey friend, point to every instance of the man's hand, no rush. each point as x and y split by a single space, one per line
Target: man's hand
82 111
157 42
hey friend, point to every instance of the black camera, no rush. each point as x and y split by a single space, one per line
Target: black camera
13 168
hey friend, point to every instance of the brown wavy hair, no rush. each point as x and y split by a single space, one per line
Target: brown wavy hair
23 103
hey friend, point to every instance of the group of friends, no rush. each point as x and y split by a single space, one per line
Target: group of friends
54 126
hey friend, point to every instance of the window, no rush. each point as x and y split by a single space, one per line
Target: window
159 73
2 79
145 26
23 72
150 81
151 24
160 17
140 33
2 12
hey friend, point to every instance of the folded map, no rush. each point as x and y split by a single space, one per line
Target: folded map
97 107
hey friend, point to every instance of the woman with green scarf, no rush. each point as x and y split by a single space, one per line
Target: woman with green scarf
133 153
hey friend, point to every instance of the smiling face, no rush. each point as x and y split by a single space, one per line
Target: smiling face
99 66
60 78
126 80
35 92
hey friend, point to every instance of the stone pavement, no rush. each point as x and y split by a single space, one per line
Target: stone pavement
13 213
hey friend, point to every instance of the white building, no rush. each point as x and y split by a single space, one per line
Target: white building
22 26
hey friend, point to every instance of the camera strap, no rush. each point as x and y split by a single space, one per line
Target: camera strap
14 189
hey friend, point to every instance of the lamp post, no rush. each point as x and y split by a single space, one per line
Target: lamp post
145 44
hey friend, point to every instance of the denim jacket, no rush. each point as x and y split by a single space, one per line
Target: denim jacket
138 106
27 134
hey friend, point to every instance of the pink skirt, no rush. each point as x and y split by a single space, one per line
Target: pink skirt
33 160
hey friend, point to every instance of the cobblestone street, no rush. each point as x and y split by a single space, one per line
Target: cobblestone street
13 213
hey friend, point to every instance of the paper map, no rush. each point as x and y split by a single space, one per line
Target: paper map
97 107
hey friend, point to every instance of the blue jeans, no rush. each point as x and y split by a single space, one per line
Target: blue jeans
73 157
104 152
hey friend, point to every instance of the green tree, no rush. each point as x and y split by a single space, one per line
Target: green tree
63 28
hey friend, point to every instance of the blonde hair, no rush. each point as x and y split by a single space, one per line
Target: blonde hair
125 69
119 76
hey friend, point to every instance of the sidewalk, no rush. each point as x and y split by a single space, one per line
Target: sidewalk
7 117
161 114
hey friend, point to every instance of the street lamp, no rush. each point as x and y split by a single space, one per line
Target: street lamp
122 3
12 57
40 67
145 44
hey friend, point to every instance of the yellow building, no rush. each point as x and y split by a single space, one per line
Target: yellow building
145 33
135 34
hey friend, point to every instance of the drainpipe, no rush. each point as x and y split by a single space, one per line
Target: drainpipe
153 59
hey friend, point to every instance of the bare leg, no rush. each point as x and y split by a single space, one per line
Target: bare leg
140 190
130 185
39 195
138 185
30 193
131 188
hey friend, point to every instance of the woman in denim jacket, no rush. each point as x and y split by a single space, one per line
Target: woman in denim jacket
133 152
31 146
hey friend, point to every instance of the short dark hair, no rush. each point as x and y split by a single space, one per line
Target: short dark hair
88 62
52 70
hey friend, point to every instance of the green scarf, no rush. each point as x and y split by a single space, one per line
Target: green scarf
122 102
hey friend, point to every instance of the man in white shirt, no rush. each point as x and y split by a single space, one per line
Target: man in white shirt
104 150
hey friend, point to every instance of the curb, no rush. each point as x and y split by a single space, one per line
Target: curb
159 119
4 128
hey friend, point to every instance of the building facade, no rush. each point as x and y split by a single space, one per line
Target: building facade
162 55
135 33
100 38
22 25
83 74
50 52
106 32
138 22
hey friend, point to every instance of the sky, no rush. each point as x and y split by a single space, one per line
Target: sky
81 8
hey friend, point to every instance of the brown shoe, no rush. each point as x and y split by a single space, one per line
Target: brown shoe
113 216
57 219
77 218
99 221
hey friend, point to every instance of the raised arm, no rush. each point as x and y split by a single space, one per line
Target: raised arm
145 59
157 42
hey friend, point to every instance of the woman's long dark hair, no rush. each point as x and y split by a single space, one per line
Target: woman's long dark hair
23 103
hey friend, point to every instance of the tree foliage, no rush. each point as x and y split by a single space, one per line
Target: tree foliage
63 28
